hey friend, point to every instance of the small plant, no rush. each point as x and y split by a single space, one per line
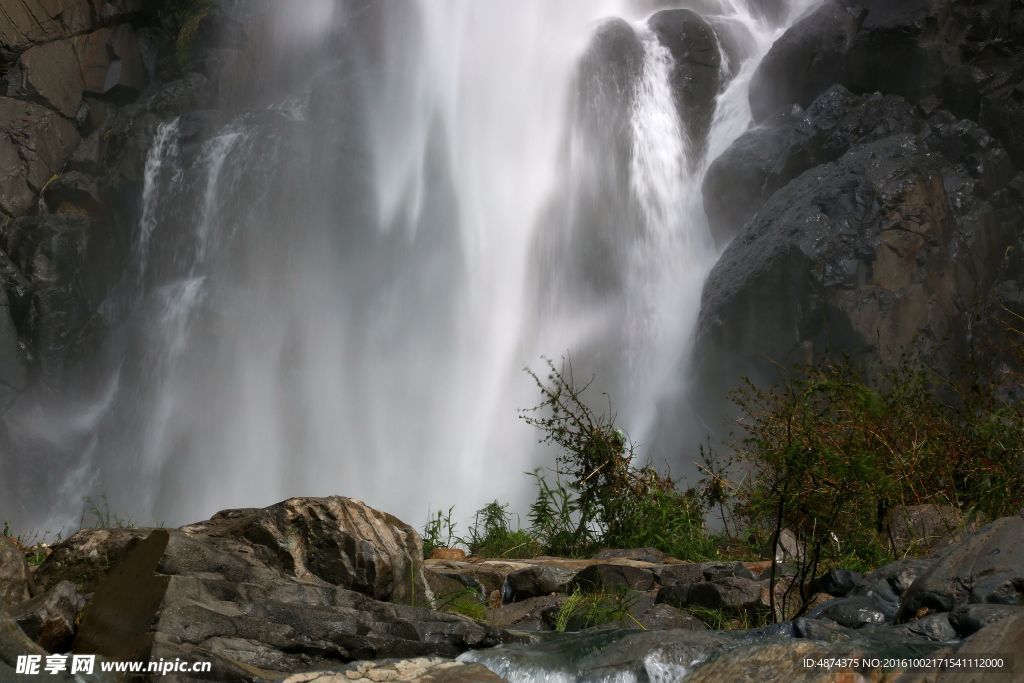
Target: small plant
722 620
580 611
492 535
102 517
465 602
439 532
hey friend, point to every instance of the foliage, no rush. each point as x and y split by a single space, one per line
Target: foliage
184 18
465 602
492 535
102 517
600 497
829 455
722 620
439 532
581 611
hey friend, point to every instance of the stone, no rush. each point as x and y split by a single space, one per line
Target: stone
51 72
531 614
300 585
719 570
986 567
935 627
730 594
674 595
87 556
126 75
51 618
696 70
28 22
15 575
663 617
34 143
612 577
856 611
94 60
919 528
837 582
536 581
1005 639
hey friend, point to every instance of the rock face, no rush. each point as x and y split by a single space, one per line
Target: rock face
297 586
882 251
51 619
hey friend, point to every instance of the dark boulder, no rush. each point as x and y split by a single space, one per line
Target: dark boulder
730 594
837 582
765 159
877 254
967 620
86 556
986 567
536 581
696 70
673 574
858 611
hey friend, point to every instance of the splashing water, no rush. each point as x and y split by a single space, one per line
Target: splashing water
336 287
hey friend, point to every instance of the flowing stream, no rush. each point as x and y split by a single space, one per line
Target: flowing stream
335 287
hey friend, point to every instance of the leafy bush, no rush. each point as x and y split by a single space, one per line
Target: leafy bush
492 535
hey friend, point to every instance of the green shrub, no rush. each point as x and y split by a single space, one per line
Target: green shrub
492 535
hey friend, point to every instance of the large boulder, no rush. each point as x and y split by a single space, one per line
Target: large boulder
766 158
87 556
964 57
27 22
301 585
696 69
879 253
985 568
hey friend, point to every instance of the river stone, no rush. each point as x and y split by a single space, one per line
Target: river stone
732 594
672 574
837 582
1004 639
663 617
536 581
674 595
986 567
720 570
15 576
51 618
612 577
531 614
935 627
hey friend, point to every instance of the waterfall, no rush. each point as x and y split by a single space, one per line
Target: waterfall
338 278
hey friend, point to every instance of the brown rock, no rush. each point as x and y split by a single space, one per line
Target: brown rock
94 59
448 554
126 72
15 577
25 22
86 557
34 142
52 72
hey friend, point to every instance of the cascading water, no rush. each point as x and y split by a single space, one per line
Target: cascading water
335 287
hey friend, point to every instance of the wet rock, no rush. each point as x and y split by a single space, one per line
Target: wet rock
1004 638
612 577
34 142
837 582
536 581
696 70
766 158
986 567
969 619
50 619
732 594
919 528
15 576
663 616
126 75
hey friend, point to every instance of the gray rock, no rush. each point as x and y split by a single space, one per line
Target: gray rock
532 614
536 581
86 557
674 595
297 586
51 619
731 594
856 611
612 577
663 617
425 669
986 567
15 576
37 21
719 570
52 73
652 555
672 574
